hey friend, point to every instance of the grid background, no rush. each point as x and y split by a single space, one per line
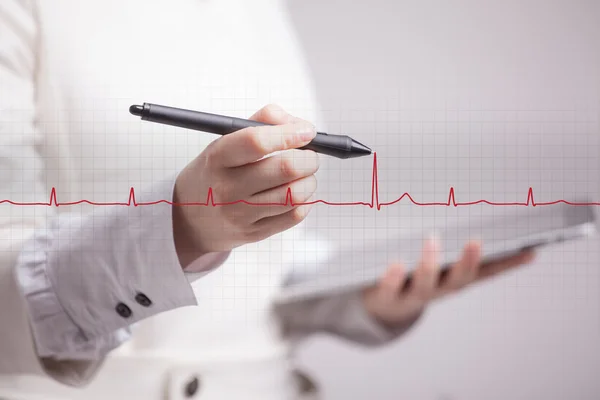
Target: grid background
486 98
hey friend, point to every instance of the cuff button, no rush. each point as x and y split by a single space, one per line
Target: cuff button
143 300
123 310
191 388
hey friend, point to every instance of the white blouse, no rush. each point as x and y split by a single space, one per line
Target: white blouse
92 275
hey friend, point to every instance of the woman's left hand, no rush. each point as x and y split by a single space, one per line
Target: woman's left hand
392 301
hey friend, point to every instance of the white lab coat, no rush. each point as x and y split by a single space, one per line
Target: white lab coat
69 70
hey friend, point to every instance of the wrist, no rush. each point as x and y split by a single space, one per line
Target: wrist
188 249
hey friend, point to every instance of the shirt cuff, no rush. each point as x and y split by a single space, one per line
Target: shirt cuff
87 278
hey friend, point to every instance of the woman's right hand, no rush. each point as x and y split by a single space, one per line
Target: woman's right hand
233 166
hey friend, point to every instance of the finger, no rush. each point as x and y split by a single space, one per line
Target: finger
275 171
251 144
424 278
273 114
274 200
270 226
391 283
493 268
463 272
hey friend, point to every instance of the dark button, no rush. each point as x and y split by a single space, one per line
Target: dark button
143 300
123 310
191 388
306 383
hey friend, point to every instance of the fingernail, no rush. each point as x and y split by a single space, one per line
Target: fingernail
306 132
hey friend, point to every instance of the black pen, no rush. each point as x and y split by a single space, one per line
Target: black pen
340 146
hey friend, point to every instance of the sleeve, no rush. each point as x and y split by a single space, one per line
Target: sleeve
71 285
342 315
87 278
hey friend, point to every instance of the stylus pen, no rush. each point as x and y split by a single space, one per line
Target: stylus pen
340 146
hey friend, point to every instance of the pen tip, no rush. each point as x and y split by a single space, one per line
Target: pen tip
359 149
136 110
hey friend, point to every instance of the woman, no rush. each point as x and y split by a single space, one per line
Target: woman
93 298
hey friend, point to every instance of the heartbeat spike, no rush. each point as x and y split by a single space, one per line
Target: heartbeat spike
52 198
530 197
131 198
451 199
209 198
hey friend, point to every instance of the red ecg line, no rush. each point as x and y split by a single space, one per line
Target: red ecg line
374 203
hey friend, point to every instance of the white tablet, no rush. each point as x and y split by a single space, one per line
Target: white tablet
361 266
